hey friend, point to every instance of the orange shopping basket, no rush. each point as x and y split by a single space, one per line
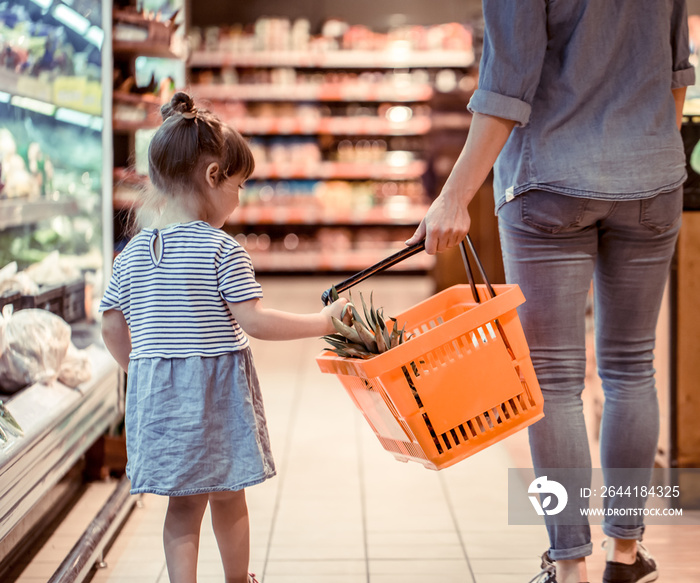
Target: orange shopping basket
462 382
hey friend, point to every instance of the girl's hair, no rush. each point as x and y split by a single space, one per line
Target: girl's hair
183 146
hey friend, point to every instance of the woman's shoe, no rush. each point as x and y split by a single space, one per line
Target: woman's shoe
643 570
548 574
251 578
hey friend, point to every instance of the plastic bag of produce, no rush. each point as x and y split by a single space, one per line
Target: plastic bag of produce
75 368
34 345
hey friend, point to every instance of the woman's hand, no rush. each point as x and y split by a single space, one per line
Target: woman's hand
447 221
445 224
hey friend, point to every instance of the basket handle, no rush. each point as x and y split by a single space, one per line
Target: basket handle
409 252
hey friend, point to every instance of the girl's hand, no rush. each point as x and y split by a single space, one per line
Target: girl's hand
336 309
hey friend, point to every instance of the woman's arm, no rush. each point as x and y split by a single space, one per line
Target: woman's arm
447 221
269 324
115 333
679 98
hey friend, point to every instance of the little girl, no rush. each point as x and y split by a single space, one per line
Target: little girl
181 295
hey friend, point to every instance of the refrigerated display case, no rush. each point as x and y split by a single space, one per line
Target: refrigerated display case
55 194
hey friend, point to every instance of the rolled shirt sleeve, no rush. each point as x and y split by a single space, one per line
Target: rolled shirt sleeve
683 71
511 62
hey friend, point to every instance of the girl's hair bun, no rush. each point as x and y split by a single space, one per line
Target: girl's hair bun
180 103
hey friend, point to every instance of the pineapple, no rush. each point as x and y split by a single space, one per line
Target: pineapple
363 338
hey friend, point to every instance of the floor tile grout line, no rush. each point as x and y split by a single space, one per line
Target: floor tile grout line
163 570
455 522
363 497
281 474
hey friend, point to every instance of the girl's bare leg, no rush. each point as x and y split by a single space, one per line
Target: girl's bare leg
229 518
183 522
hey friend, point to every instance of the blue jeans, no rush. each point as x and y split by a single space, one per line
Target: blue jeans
553 246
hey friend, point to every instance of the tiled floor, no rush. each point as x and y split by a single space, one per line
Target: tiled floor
341 509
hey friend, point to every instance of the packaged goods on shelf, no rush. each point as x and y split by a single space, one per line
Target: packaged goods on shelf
139 26
346 113
281 34
54 284
43 60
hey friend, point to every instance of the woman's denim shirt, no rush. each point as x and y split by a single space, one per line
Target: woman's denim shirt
589 84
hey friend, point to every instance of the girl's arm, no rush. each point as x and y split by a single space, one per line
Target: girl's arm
269 324
115 333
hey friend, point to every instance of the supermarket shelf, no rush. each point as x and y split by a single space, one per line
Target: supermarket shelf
131 112
340 170
127 126
19 212
336 261
83 96
146 100
337 126
143 49
312 171
367 92
318 215
312 213
334 59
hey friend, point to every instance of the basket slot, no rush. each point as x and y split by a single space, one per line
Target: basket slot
409 380
484 423
475 341
463 432
498 414
506 412
530 398
429 425
428 326
454 350
492 332
446 439
514 407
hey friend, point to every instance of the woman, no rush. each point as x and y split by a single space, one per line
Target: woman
578 111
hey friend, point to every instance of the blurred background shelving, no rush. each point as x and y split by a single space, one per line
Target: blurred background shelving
340 122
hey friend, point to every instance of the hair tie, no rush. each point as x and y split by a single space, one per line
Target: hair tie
189 114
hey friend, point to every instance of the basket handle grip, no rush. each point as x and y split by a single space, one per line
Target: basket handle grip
376 268
409 252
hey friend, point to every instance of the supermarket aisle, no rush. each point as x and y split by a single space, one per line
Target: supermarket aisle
342 510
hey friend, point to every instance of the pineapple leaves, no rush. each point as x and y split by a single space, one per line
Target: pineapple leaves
368 333
347 331
334 294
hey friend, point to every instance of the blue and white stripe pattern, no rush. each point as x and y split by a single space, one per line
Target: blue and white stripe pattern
172 286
